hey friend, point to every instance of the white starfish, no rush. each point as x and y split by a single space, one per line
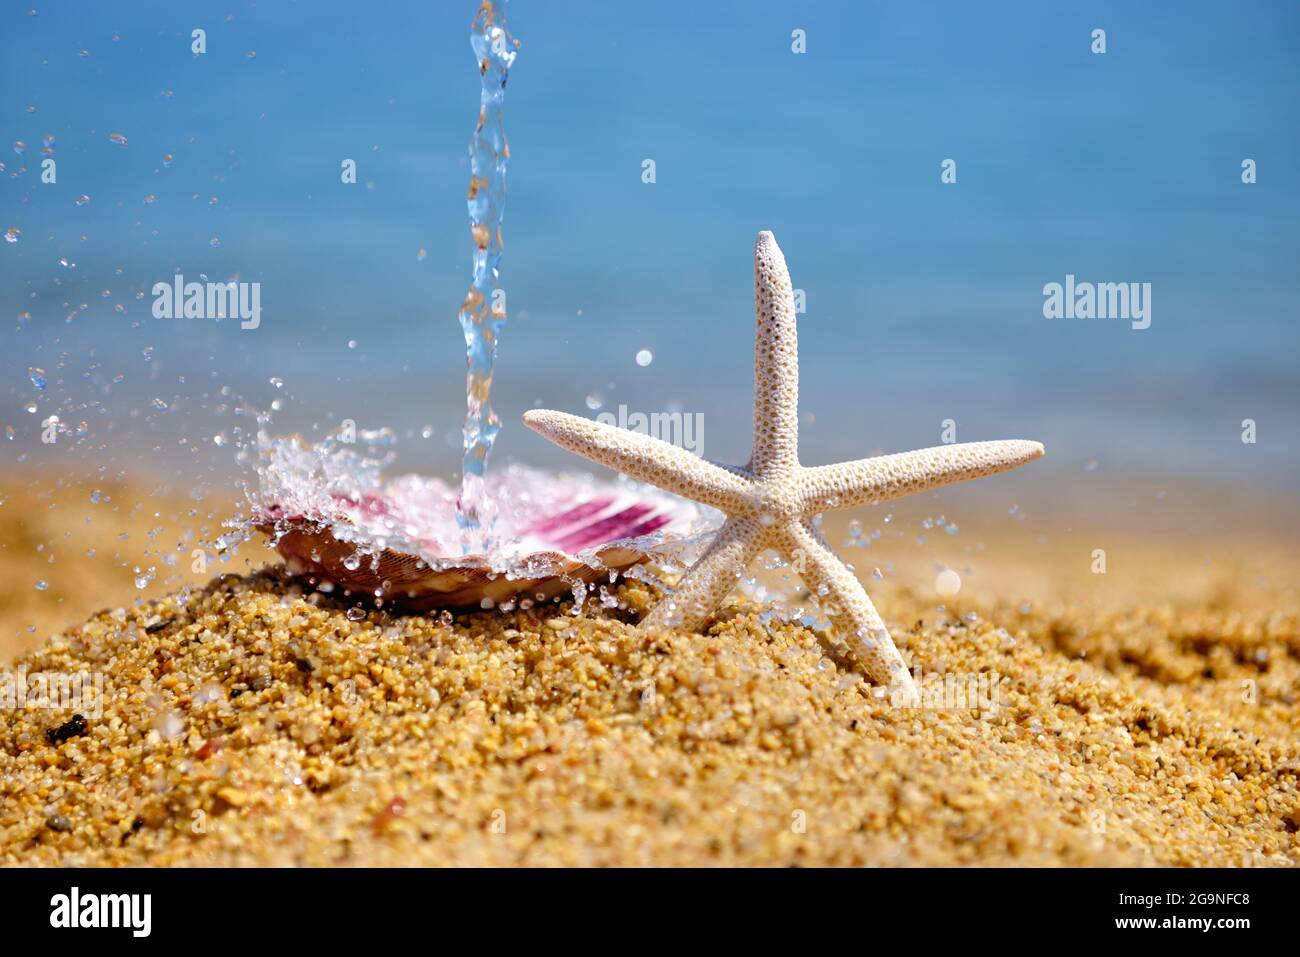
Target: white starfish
770 503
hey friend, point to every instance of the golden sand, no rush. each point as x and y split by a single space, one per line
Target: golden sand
1148 715
251 723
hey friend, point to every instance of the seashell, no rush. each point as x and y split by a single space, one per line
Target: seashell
336 522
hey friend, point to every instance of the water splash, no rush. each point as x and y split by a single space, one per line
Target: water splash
483 313
348 533
340 486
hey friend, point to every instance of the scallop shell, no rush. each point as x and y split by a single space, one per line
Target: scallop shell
398 541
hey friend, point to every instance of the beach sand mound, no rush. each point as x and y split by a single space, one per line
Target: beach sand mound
250 723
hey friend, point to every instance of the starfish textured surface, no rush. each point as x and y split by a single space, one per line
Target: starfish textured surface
771 502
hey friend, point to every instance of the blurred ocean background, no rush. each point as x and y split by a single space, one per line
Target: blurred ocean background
924 300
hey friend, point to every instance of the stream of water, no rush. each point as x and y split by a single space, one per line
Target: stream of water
483 313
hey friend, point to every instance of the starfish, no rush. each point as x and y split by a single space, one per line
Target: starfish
771 502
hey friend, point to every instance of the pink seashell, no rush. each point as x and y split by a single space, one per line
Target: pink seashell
335 521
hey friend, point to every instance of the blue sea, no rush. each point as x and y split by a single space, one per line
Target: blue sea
924 298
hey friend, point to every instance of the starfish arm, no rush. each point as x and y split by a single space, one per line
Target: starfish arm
891 476
709 580
776 363
844 601
642 457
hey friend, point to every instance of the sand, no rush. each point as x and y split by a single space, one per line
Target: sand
1147 716
252 724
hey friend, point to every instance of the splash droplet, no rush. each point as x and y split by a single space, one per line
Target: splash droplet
947 583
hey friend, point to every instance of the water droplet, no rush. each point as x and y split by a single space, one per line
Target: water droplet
95 497
167 160
37 376
355 613
645 357
117 138
82 200
169 725
215 241
421 255
1091 465
42 585
947 583
595 401
20 147
12 234
150 199
352 343
855 529
276 381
